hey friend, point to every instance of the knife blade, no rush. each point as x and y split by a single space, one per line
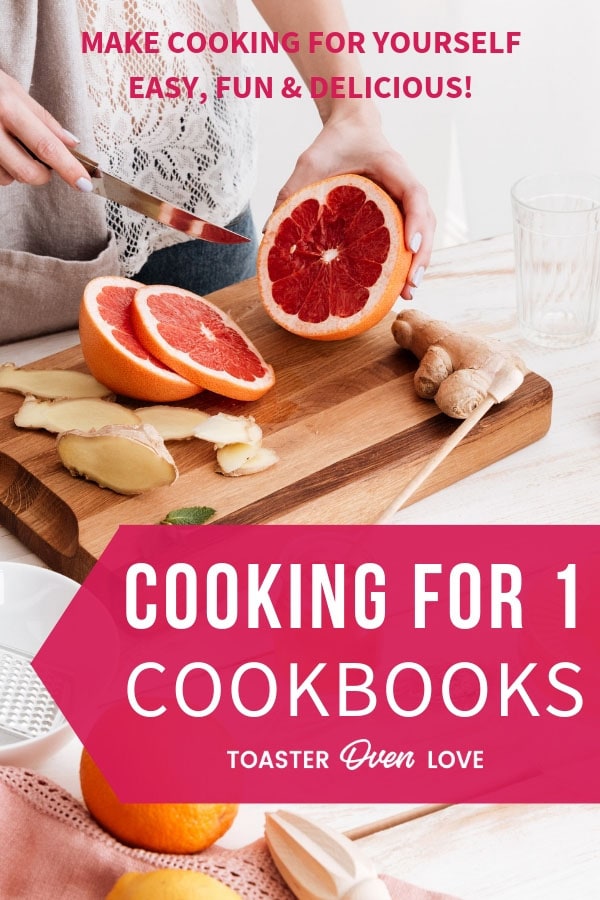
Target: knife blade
111 188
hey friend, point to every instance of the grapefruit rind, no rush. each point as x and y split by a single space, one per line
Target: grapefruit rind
112 363
190 333
389 278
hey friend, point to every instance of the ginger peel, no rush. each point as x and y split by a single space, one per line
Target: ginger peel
456 369
52 384
83 413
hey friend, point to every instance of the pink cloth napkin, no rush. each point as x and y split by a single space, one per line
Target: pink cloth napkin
51 847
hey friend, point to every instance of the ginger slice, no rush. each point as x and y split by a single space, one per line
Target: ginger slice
83 414
128 459
224 428
233 456
173 423
50 384
245 459
456 368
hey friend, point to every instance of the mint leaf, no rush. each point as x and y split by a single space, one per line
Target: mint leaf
188 515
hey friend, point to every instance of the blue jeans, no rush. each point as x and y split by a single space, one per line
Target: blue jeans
202 267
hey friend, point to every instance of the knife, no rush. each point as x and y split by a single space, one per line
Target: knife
112 188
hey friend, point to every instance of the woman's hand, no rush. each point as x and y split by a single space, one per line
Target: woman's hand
353 142
26 124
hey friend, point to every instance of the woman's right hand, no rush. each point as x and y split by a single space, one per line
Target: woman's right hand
26 124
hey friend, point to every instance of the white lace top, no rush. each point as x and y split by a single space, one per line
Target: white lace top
199 156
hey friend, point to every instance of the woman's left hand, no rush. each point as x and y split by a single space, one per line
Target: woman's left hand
352 141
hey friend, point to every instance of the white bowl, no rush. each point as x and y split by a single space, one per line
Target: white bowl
32 600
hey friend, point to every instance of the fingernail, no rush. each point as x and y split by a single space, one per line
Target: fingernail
418 276
84 184
71 137
416 241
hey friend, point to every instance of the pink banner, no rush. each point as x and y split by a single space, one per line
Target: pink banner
336 664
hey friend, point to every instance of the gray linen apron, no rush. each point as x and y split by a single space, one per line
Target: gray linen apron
53 239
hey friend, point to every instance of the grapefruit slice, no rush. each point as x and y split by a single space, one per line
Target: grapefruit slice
113 353
200 341
332 260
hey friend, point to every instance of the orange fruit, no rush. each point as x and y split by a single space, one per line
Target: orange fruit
160 827
113 353
200 341
170 884
332 260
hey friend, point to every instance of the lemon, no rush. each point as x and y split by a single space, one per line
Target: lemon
170 884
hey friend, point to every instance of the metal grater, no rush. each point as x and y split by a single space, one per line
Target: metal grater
26 708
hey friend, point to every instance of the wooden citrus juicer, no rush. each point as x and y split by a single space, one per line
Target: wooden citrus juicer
318 863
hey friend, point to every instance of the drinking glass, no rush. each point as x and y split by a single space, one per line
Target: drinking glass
556 221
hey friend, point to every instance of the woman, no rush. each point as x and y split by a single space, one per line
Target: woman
198 155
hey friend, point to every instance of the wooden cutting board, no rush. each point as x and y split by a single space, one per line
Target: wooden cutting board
343 417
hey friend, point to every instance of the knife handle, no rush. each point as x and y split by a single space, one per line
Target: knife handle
88 164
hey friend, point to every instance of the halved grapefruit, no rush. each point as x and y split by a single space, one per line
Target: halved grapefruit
332 261
200 341
112 351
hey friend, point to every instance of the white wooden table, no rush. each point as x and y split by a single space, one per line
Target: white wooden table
522 852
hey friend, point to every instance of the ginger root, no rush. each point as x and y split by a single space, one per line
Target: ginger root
128 459
457 369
